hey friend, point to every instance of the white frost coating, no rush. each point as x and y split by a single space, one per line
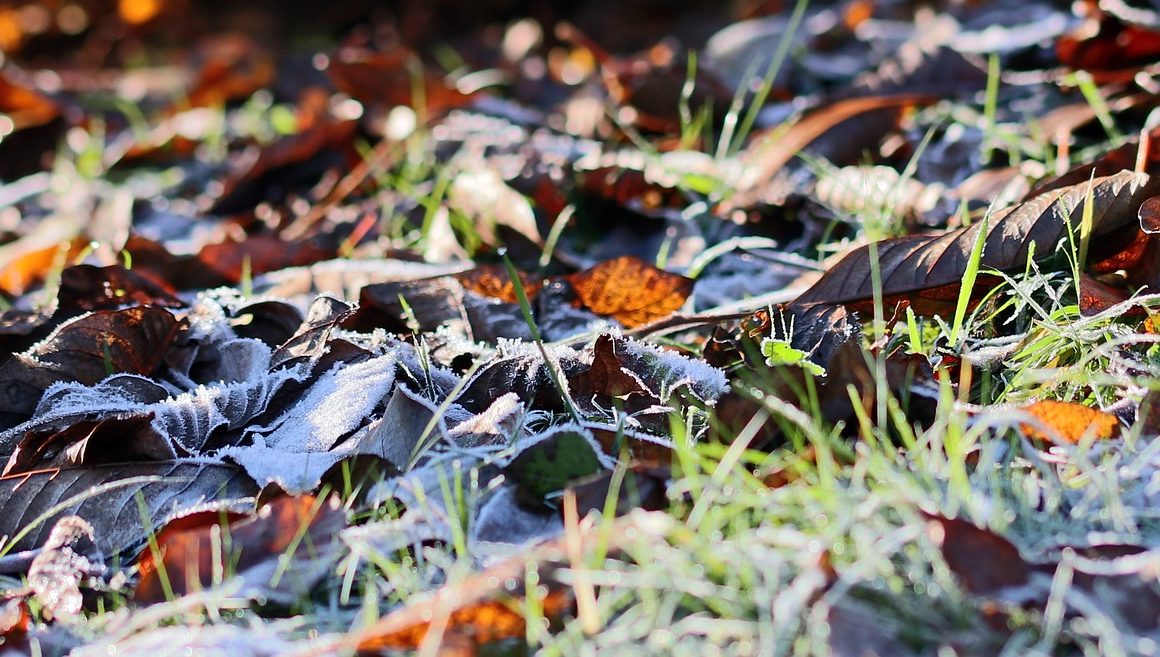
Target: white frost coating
184 420
338 403
296 473
502 525
497 422
243 359
524 349
253 640
675 370
207 319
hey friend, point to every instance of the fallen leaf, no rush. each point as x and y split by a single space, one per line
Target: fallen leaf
991 567
257 254
234 68
493 282
26 266
630 290
106 498
1069 422
386 79
607 377
280 552
405 306
33 124
85 287
643 486
927 264
310 341
106 342
770 151
1108 48
985 562
478 611
115 439
489 606
293 162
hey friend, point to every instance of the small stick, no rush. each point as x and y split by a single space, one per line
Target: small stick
1143 150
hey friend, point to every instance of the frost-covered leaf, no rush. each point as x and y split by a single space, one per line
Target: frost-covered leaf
548 462
107 498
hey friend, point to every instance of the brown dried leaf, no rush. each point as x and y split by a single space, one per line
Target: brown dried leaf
489 605
292 161
259 254
986 562
1109 49
85 287
768 153
95 346
643 487
493 282
386 79
290 529
924 263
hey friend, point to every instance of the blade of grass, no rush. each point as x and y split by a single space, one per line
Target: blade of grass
526 310
734 141
969 277
990 105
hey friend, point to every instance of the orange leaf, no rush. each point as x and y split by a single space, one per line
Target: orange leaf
630 290
489 605
22 269
197 546
493 282
1070 422
24 107
479 610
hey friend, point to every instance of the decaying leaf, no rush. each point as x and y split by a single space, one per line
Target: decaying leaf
107 342
493 282
85 287
991 567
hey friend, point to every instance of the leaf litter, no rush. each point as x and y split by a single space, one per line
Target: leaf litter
453 333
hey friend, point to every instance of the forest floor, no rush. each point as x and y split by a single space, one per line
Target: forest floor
750 328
